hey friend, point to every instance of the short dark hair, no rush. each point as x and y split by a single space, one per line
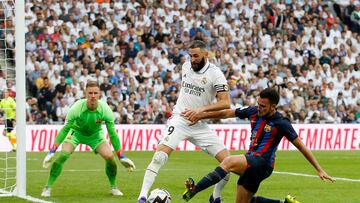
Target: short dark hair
91 83
197 44
271 94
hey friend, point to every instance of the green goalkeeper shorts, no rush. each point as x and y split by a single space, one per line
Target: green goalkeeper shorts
75 138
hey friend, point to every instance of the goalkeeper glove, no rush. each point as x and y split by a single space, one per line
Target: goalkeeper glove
49 157
126 162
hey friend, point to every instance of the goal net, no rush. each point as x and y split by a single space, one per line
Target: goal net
12 88
7 93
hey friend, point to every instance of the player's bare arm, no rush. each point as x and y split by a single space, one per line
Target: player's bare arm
226 113
223 102
311 158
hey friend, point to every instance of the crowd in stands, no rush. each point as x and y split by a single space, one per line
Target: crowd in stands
309 50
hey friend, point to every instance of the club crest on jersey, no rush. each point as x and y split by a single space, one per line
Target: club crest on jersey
203 81
98 121
267 128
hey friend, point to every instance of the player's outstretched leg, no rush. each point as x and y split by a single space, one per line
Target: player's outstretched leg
158 160
55 171
211 179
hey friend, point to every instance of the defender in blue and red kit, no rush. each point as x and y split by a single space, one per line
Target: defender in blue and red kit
268 127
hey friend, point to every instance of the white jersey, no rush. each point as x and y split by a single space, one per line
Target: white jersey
199 88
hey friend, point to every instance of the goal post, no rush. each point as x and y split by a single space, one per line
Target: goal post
20 99
12 61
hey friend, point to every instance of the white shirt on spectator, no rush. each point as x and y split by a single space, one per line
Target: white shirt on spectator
299 13
355 74
298 60
339 85
219 19
164 61
252 67
350 60
262 82
91 30
30 46
55 79
84 79
346 93
303 79
3 85
335 33
98 45
61 112
332 94
352 100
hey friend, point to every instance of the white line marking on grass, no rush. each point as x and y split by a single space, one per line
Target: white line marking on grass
276 172
315 176
33 199
27 197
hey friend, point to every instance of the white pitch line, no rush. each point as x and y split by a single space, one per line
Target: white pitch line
276 172
27 197
33 199
314 176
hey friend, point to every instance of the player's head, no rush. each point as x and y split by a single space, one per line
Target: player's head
267 102
5 93
198 54
92 94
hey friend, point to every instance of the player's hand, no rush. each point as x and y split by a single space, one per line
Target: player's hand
324 176
126 162
48 159
50 156
191 115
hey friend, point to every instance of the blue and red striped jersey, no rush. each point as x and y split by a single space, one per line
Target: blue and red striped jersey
266 133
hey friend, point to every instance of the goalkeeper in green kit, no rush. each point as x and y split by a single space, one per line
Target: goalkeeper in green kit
83 126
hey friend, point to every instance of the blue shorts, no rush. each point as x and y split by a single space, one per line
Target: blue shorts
257 170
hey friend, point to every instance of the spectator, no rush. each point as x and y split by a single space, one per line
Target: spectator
299 48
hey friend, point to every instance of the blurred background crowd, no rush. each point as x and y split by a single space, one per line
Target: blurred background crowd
309 49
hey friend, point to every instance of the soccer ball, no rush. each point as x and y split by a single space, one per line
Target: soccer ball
159 195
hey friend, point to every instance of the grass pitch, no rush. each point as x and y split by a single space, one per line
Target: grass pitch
83 178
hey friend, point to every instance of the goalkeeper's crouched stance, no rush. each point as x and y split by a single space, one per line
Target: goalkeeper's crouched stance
83 126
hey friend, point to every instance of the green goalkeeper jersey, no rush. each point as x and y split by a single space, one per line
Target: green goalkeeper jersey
81 119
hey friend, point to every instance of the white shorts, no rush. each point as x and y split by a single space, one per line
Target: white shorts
177 129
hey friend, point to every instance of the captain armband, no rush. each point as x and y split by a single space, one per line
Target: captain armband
222 88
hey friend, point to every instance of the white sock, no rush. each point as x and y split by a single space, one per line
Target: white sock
149 179
220 186
158 160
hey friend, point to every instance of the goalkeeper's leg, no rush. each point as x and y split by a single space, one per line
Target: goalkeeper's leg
110 166
57 166
110 169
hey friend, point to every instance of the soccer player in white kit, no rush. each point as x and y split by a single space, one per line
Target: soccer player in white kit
203 88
